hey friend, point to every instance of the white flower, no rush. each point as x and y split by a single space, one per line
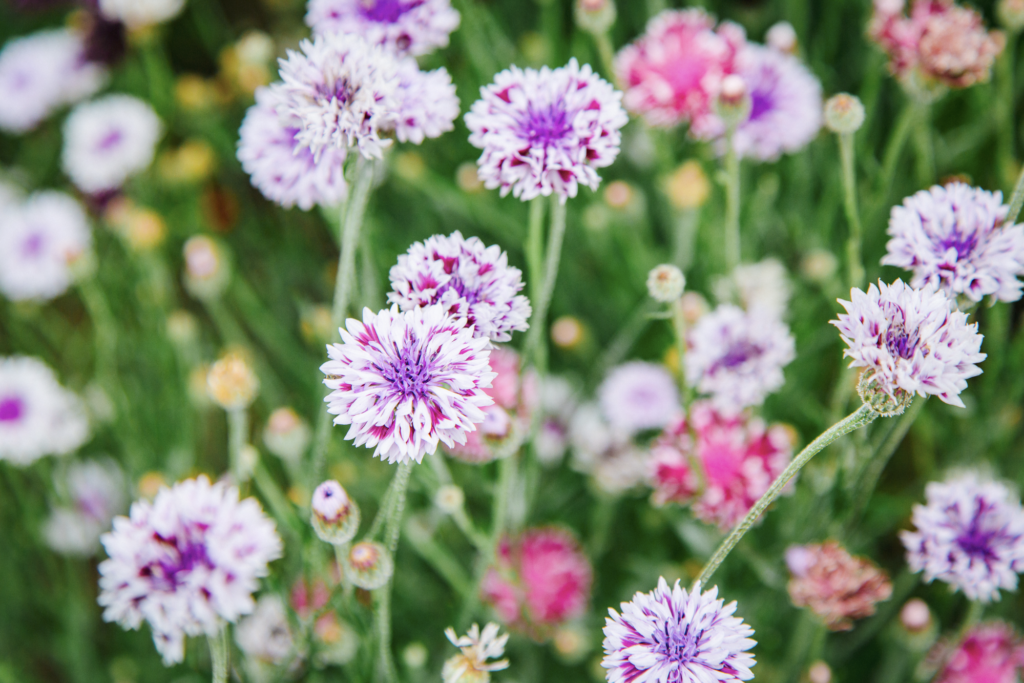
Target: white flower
108 140
39 242
760 288
637 396
426 104
472 666
139 13
413 27
265 634
606 454
92 493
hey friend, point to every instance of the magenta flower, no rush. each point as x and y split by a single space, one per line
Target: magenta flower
413 27
546 131
406 381
989 653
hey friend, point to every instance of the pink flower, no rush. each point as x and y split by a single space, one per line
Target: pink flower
835 585
673 72
990 653
541 579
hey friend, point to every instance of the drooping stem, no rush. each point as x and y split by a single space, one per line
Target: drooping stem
238 435
536 345
392 530
862 416
732 206
219 654
855 263
1017 200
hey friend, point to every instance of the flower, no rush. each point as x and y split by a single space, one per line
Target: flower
186 563
335 516
665 283
40 241
546 131
108 140
140 13
672 74
940 41
369 566
37 415
910 341
413 27
760 288
607 454
341 91
844 114
471 281
785 106
472 666
42 72
673 635
956 237
988 653
970 534
281 167
92 492
406 380
781 37
265 634
637 396
557 403
737 357
426 104
540 579
835 585
231 382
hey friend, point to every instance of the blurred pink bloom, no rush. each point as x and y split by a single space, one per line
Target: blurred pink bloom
835 585
307 602
990 653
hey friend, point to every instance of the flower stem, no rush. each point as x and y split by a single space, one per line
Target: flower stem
855 262
862 416
894 148
536 344
925 147
1017 200
606 53
506 479
732 206
238 433
219 654
392 530
687 223
679 327
876 465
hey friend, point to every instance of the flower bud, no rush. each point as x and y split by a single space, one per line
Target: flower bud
415 655
665 283
688 186
369 565
337 642
595 16
182 327
844 114
819 266
733 104
335 516
287 435
882 403
231 382
618 194
1011 14
915 615
142 229
496 423
449 499
206 268
782 37
567 332
819 672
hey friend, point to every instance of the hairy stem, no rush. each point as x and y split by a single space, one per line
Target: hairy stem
537 342
392 530
687 223
925 147
238 435
219 654
606 53
855 263
1016 200
894 148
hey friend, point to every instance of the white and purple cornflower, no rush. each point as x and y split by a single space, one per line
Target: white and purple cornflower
546 131
672 635
92 492
911 341
956 237
426 104
341 90
281 167
405 381
140 13
471 281
40 240
187 563
108 140
413 27
737 357
636 396
970 534
38 416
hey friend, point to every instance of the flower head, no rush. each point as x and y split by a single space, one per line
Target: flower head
472 665
281 167
911 341
40 240
673 635
335 515
265 635
341 91
471 281
140 13
672 74
665 283
92 492
989 653
541 579
760 288
955 237
737 357
231 382
546 131
413 27
970 534
406 381
108 140
605 453
426 105
844 114
835 585
186 563
637 396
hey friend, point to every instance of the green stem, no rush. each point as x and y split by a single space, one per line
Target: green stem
925 147
219 654
341 551
686 232
862 416
606 53
506 480
392 530
1016 200
876 465
536 344
855 262
894 148
238 435
732 206
1006 126
679 327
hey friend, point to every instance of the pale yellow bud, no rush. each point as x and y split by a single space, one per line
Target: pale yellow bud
231 382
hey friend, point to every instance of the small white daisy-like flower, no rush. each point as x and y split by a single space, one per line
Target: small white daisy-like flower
42 72
665 283
970 534
737 357
342 92
38 416
426 104
637 396
955 237
282 168
413 27
478 648
471 281
911 340
760 288
405 381
187 563
92 492
672 634
39 242
265 635
108 140
140 13
546 131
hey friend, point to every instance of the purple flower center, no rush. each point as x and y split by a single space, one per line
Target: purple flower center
11 408
676 643
542 128
761 102
32 247
898 341
110 140
409 375
164 572
736 355
341 90
963 244
386 11
976 541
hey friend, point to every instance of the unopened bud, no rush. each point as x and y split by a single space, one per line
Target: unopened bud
449 499
819 265
819 672
1011 14
618 194
142 229
369 565
567 332
844 114
335 516
882 403
415 655
595 16
287 435
733 104
915 615
665 283
496 423
688 186
231 382
206 268
782 37
182 327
